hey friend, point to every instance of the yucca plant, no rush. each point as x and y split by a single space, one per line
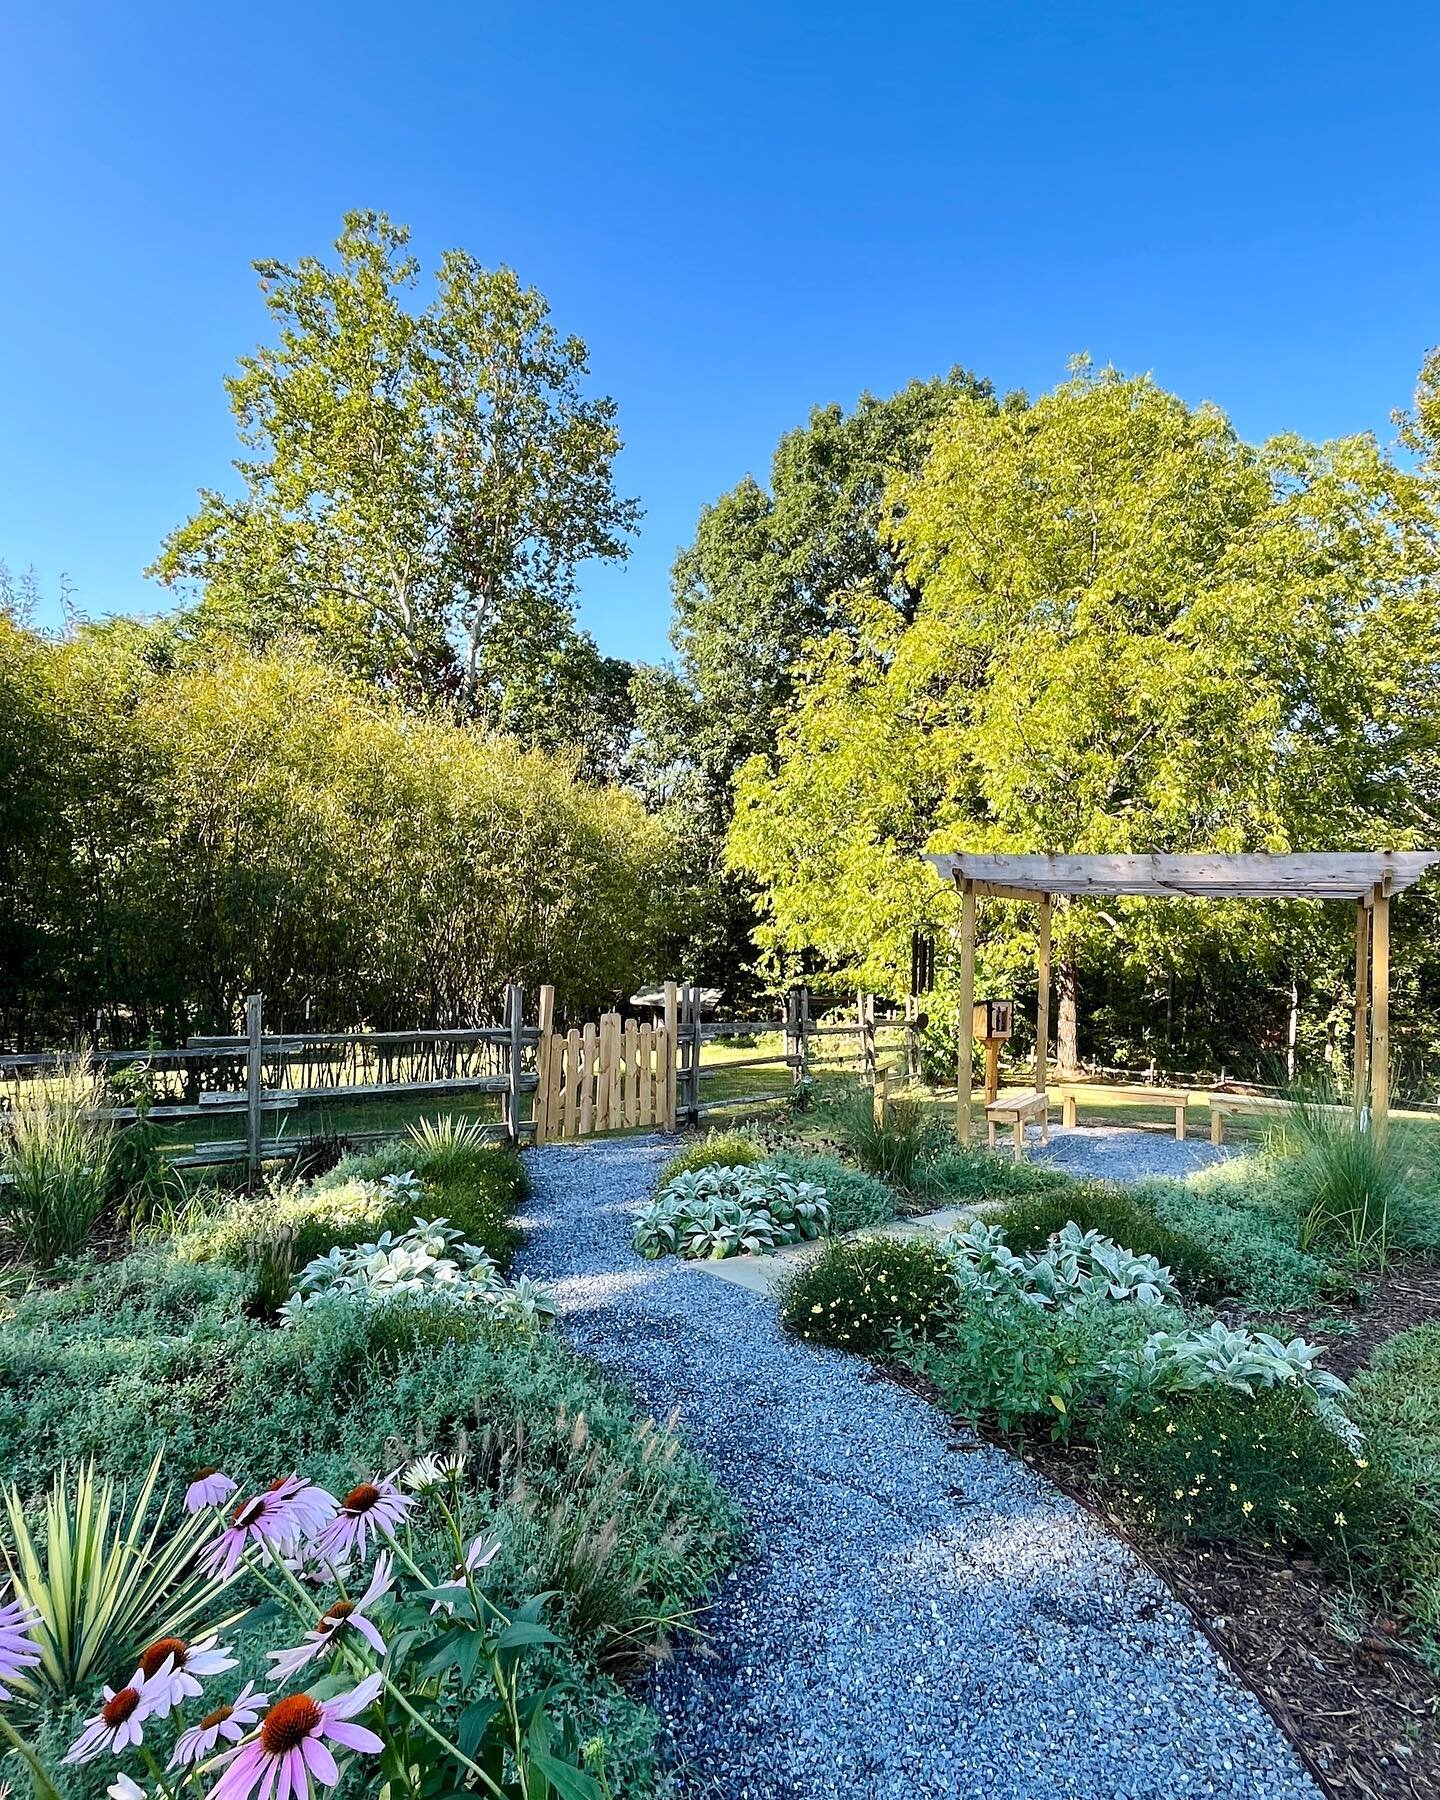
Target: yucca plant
448 1144
894 1149
105 1577
57 1158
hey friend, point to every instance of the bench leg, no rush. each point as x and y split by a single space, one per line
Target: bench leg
1068 1114
1217 1130
1180 1124
1019 1140
990 1123
1045 1126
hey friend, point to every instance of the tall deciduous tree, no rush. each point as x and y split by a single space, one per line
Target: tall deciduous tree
425 480
1136 632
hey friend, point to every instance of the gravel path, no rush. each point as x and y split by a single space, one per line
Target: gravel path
1120 1153
915 1614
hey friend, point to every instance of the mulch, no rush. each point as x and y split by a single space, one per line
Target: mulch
1361 1710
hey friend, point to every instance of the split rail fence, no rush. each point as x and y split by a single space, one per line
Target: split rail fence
612 1074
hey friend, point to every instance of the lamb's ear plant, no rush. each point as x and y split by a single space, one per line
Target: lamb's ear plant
106 1575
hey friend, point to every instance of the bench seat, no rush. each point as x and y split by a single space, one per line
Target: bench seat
1073 1092
1261 1104
1015 1109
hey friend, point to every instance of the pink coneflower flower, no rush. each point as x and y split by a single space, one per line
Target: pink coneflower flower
374 1506
17 1647
116 1727
338 1621
290 1746
480 1555
290 1509
210 1487
229 1722
170 1666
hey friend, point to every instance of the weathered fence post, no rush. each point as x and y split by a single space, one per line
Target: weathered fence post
879 1098
254 1077
867 1037
544 1051
510 1099
694 1023
672 1025
912 1040
805 1032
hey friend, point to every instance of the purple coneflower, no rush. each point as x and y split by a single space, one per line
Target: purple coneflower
116 1726
170 1666
17 1647
480 1555
374 1506
338 1621
210 1487
290 1747
290 1509
229 1722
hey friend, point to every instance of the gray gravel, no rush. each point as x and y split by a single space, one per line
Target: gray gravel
1121 1153
915 1614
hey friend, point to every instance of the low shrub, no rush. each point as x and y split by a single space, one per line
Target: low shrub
856 1199
1029 1222
1238 1211
717 1149
1002 1358
1393 1403
896 1149
713 1213
857 1296
1230 1467
57 1161
958 1176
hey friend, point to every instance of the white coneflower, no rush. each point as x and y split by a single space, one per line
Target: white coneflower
480 1555
117 1725
170 1666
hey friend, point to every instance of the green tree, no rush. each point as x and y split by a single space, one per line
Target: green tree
1135 632
424 480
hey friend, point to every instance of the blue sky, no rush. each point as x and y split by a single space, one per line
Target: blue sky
745 211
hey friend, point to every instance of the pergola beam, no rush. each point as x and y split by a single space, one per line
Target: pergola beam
1319 875
965 1036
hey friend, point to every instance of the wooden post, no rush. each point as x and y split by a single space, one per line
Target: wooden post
964 1072
544 1053
693 1027
912 1040
254 1076
878 1099
510 1099
805 1031
1042 1002
672 1021
992 1069
1361 1074
1380 1013
865 1006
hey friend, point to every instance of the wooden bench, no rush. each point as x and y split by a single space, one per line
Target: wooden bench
1263 1105
1072 1093
1015 1109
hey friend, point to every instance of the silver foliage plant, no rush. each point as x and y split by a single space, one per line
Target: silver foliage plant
430 1262
711 1213
1076 1268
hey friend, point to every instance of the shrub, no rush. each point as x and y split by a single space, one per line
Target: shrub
857 1296
58 1162
725 1211
717 1149
1005 1359
1029 1222
1393 1403
1349 1182
1235 1468
1236 1210
856 1199
976 1175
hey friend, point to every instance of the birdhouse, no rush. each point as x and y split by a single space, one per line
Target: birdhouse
994 1020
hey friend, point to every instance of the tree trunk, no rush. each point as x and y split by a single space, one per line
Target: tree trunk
1067 1035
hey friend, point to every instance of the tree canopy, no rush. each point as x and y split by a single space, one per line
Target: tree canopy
424 481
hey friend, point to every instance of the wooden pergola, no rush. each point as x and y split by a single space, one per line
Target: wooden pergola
1368 879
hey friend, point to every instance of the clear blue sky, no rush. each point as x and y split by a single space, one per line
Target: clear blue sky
745 211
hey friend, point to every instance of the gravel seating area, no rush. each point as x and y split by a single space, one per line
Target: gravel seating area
915 1613
1121 1153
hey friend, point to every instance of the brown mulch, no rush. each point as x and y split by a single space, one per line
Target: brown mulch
1361 1710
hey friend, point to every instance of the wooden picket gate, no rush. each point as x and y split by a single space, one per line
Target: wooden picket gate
604 1076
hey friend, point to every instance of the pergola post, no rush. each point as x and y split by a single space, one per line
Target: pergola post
1380 1012
1042 1003
1361 1073
964 1064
